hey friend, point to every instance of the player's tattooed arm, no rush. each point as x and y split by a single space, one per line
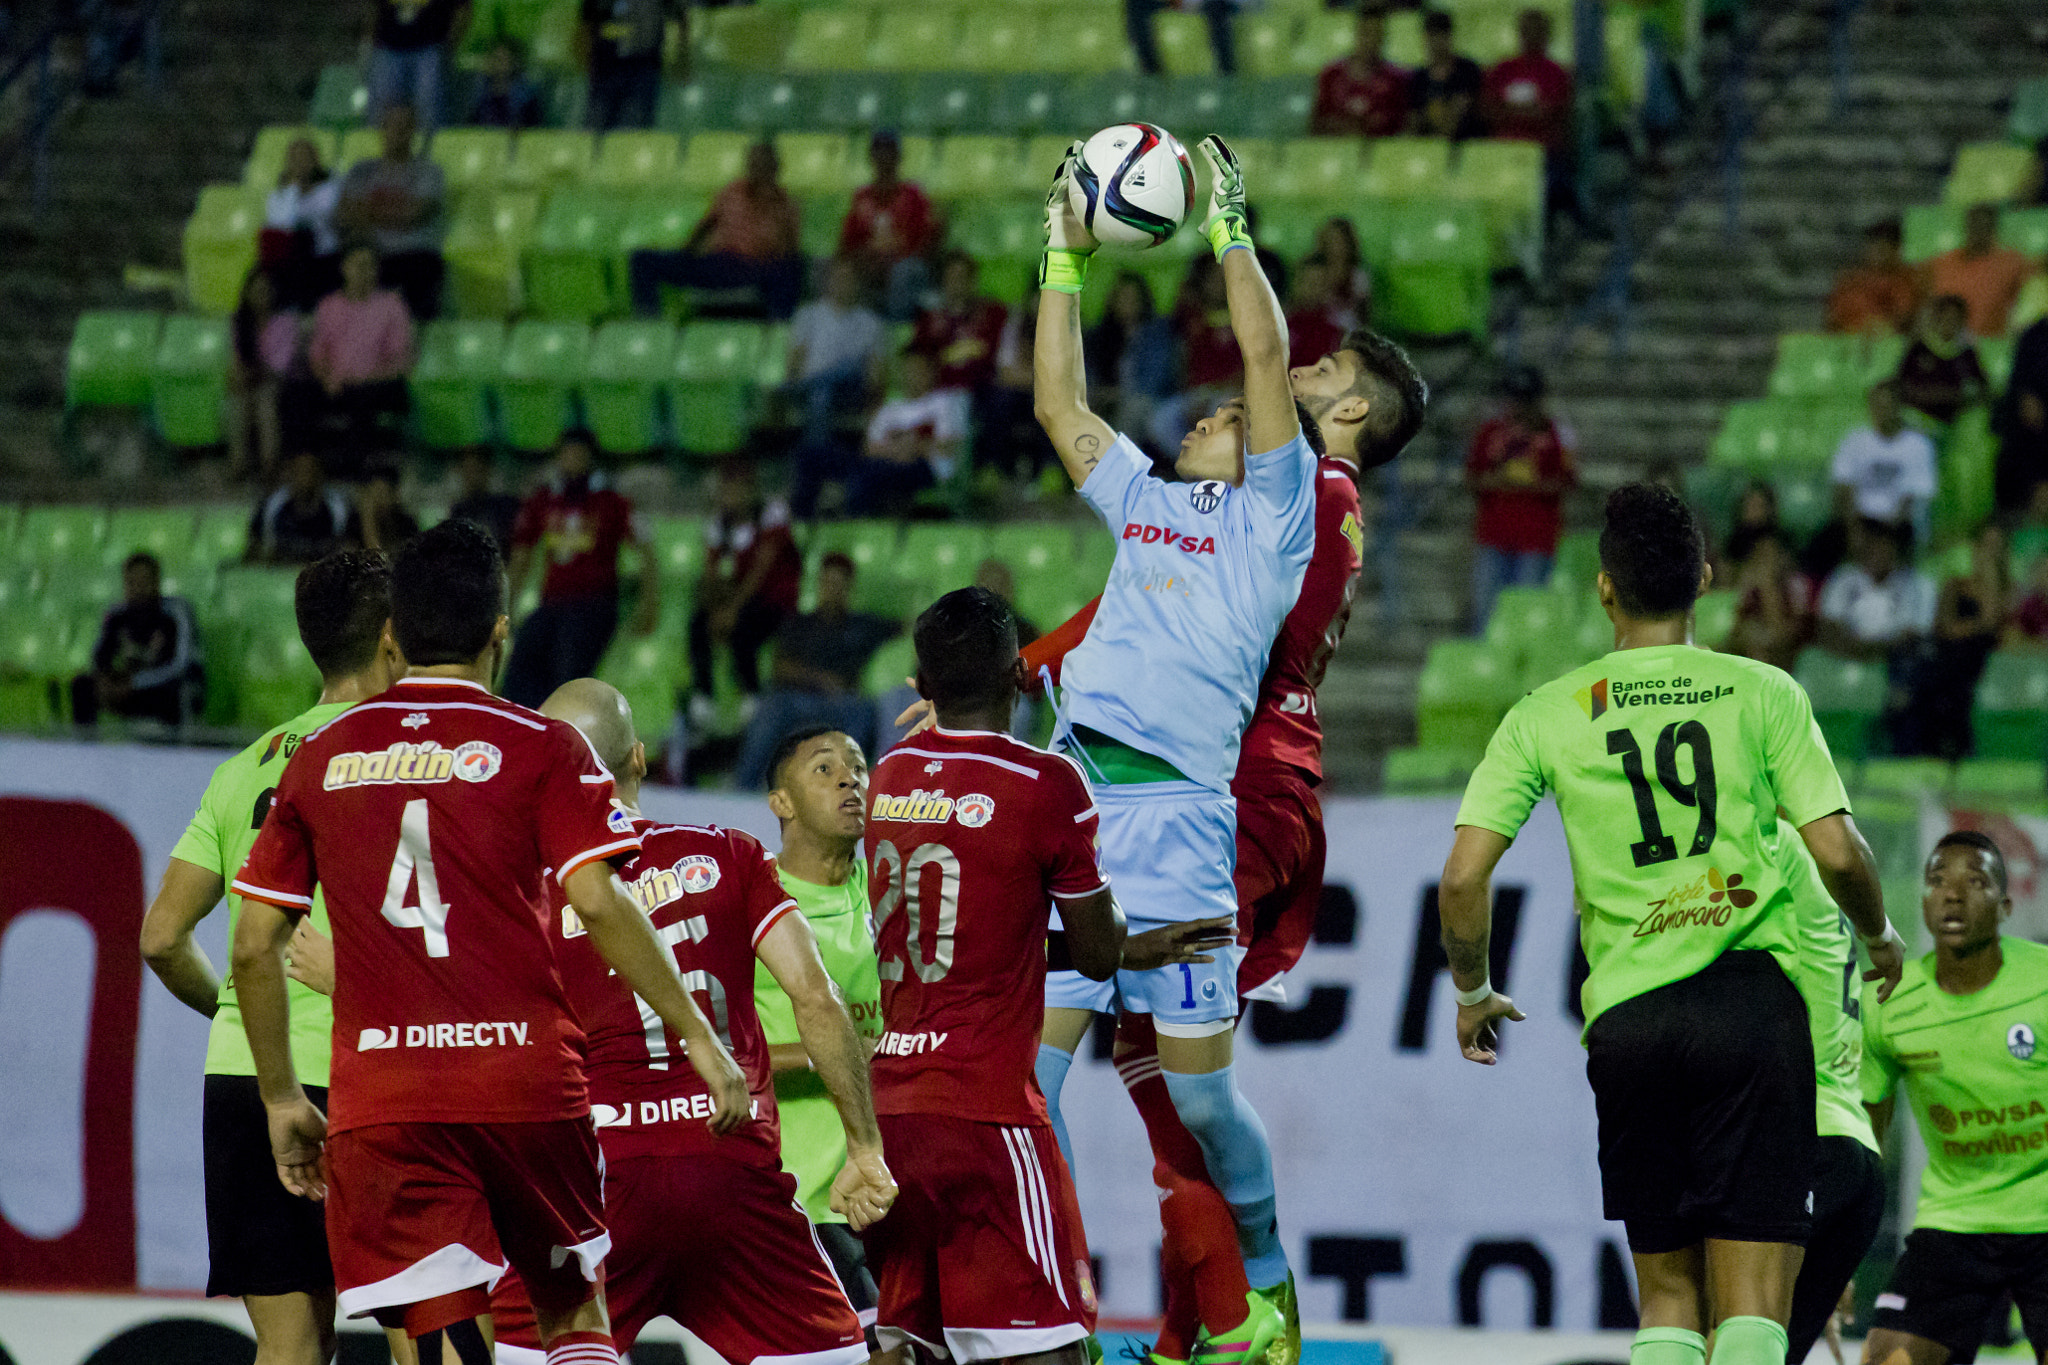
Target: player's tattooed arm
1089 447
1060 388
1464 901
1467 954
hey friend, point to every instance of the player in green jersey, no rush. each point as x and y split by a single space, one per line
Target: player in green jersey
1670 764
1964 1035
819 791
266 1245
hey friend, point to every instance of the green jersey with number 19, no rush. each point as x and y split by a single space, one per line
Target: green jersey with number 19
1825 974
1669 764
1976 1073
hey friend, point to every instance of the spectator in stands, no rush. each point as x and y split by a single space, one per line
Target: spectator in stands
393 203
1984 275
1350 280
302 521
575 523
361 351
1885 471
504 97
1879 294
379 521
264 346
621 43
1528 97
299 244
960 332
482 504
819 659
746 240
1364 94
1774 603
1130 356
1313 328
2022 421
912 443
145 664
1876 606
890 230
409 45
835 361
1969 622
1219 15
1521 465
1940 374
1443 94
753 574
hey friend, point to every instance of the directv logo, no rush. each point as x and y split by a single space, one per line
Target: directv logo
443 1035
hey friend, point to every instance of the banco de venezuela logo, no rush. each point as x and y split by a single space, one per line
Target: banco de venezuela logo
1598 698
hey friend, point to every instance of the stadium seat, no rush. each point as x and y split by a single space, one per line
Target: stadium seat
1091 41
1506 180
1277 107
544 363
871 545
486 242
277 679
108 365
1406 167
2025 230
1265 42
1987 172
1817 365
829 38
1576 563
1021 103
1967 469
1183 39
1326 35
713 160
889 666
1904 776
1932 229
544 158
1006 236
340 98
1465 688
943 102
1000 37
817 163
1098 101
749 36
357 144
550 37
1318 168
222 536
1033 552
1427 770
472 158
636 160
711 385
266 156
978 166
1524 615
568 266
451 382
2010 716
1714 617
776 103
1806 500
1761 433
819 220
188 381
858 101
706 100
937 557
1847 695
2013 779
60 536
1289 227
678 548
621 386
2028 122
914 38
1438 277
220 246
650 672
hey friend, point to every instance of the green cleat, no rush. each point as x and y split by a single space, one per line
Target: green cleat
1285 1348
1094 1349
1251 1342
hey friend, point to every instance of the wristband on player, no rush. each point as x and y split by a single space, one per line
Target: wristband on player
1227 231
1478 995
1890 935
1066 271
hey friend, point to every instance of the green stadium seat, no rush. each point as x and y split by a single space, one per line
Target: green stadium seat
1033 552
829 38
220 246
1183 38
222 537
1002 37
60 536
1827 421
1427 770
1506 180
1805 502
713 160
340 98
1576 563
1091 40
2010 716
544 364
1276 107
277 679
2025 230
1761 433
650 671
635 160
871 545
914 38
1317 168
621 387
890 665
819 219
1932 229
1847 695
1325 37
711 385
1438 278
266 156
1963 497
678 548
2011 779
978 165
776 103
357 144
108 365
550 37
858 101
819 164
1714 617
1266 41
1465 688
486 243
544 158
451 382
937 557
1523 615
568 266
1098 101
1987 172
1006 236
2028 122
188 382
1406 168
1405 45
471 158
1210 103
1908 777
1995 355
943 102
1818 365
706 100
749 36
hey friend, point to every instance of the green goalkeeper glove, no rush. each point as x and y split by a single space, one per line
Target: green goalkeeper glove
1068 244
1225 227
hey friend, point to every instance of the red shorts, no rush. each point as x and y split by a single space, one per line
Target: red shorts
720 1246
983 1253
1280 855
416 1211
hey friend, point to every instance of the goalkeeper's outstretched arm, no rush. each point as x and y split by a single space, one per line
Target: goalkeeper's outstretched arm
1060 379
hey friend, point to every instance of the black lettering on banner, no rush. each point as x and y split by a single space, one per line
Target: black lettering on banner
1354 1261
1617 1300
1520 1255
263 800
1321 1016
1429 960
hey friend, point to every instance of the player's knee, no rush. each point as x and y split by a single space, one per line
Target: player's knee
1205 1103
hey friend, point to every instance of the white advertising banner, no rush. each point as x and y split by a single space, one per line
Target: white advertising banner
1414 1187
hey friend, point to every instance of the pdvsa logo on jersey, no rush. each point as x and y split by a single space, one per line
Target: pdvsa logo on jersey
974 810
1593 699
478 761
1207 495
1167 536
698 873
2019 1041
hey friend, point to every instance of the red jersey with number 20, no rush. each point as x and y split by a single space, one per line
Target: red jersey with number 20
970 836
430 817
712 895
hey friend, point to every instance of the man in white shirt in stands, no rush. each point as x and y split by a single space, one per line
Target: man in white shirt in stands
1885 471
835 363
912 443
1876 606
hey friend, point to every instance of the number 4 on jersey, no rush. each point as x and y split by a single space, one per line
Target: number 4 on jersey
414 864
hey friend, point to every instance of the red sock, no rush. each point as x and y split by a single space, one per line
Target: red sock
1199 1255
583 1348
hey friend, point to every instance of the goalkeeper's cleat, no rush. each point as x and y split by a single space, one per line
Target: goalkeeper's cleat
1250 1342
1093 1348
1287 1349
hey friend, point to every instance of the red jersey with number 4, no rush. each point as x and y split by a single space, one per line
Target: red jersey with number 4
1285 728
712 895
970 836
431 816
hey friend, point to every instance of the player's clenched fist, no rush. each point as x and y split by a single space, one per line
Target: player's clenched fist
864 1189
297 1131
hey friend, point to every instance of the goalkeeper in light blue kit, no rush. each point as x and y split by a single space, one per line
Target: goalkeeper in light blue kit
1154 701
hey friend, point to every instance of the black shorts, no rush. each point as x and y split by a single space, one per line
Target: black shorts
260 1238
1704 1092
1848 1205
850 1263
1947 1284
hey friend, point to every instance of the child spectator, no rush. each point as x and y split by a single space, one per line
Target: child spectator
145 664
299 244
753 574
1940 374
1443 94
1363 94
1774 602
889 230
1521 465
1984 275
504 97
1885 471
1876 606
1880 294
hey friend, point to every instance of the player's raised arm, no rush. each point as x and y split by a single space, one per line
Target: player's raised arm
1060 382
1464 902
1256 319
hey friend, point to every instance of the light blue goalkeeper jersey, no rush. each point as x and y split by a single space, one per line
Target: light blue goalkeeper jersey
1204 575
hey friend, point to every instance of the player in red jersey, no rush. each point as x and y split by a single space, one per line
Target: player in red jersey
458 1137
751 1280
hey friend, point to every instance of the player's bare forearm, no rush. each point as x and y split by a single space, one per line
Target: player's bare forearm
260 935
1847 869
1464 902
1261 331
1059 388
831 1044
1095 934
788 1057
187 895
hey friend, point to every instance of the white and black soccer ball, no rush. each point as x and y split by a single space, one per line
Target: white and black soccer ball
1132 185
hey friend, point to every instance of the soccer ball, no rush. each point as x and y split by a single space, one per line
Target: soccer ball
1132 185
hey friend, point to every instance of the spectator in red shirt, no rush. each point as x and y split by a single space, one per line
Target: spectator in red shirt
575 524
1520 467
1880 294
747 239
753 574
961 333
1528 97
890 230
1363 94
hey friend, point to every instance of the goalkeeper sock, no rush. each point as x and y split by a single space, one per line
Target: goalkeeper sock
1051 1071
1749 1341
1240 1161
1667 1346
583 1348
